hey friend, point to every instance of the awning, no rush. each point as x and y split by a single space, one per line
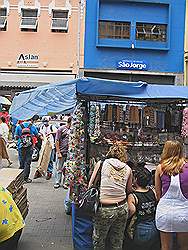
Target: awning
61 97
51 98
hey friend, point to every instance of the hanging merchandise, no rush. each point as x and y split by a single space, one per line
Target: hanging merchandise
97 132
134 115
92 119
75 176
184 131
149 117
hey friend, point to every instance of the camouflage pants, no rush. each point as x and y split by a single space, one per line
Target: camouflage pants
109 226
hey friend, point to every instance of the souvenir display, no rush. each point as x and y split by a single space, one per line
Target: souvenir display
75 176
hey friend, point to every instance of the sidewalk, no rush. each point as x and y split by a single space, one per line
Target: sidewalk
47 225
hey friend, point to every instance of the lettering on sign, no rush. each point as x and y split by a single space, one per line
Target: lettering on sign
28 61
132 65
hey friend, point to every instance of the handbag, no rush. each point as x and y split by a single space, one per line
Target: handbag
89 203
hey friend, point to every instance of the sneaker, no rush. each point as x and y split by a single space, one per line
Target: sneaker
57 185
37 175
49 176
28 180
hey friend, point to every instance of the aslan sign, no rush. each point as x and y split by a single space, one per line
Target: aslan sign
28 60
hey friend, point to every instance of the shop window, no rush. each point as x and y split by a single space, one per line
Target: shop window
59 21
151 32
29 20
114 30
3 19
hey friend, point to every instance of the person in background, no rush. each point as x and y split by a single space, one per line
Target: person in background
23 134
4 133
171 184
116 183
13 122
4 129
11 221
62 140
142 204
49 131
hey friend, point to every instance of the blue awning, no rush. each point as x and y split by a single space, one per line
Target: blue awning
61 97
51 98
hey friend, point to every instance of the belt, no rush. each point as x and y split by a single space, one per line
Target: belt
117 204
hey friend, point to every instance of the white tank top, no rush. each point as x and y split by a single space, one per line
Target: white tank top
172 209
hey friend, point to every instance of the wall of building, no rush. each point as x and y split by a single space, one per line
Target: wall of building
54 51
160 57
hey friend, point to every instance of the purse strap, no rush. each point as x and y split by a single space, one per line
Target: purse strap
97 180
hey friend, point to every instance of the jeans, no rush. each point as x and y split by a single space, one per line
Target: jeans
25 157
11 243
51 163
146 236
58 171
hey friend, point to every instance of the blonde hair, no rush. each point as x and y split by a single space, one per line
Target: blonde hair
117 151
172 158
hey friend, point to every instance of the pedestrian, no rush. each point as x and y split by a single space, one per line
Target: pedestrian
13 122
12 223
4 129
4 133
49 131
142 207
116 183
62 140
171 181
24 133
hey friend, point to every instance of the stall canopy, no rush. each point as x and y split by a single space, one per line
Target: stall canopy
62 97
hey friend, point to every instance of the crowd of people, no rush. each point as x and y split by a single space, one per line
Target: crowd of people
136 211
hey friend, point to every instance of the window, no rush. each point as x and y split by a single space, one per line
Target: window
151 32
59 21
29 20
114 30
3 19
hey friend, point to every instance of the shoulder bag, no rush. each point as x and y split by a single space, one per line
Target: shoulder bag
88 205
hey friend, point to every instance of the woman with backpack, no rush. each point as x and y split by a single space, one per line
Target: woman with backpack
115 185
142 206
171 182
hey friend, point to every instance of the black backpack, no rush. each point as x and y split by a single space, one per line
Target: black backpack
26 137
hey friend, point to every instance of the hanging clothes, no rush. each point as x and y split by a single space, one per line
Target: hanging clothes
149 117
134 115
168 124
160 119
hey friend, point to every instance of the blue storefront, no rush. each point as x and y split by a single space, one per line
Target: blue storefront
135 40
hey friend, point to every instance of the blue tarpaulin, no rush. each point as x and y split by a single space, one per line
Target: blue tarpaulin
61 97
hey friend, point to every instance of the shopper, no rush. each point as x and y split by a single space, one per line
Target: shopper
62 139
171 181
24 134
4 129
142 206
11 221
49 131
116 184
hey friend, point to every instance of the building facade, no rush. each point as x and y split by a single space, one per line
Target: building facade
40 42
135 40
186 48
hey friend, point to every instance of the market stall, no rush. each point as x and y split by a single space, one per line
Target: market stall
139 115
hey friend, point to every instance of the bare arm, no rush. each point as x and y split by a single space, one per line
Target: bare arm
131 205
129 183
58 149
158 187
94 174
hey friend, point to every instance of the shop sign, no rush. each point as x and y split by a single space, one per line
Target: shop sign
132 65
28 61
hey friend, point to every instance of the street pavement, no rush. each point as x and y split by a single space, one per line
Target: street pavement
47 225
